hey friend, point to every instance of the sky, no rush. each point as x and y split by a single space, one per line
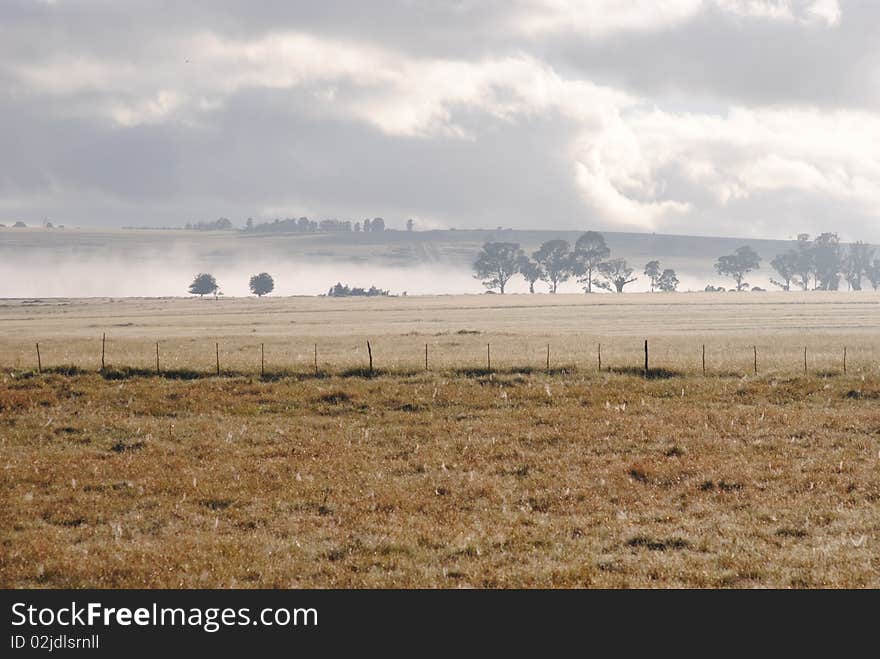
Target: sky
744 118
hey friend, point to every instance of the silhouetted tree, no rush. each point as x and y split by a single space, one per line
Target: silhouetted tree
653 272
497 263
857 263
873 274
357 227
827 261
668 281
409 224
531 271
378 224
367 225
589 251
786 265
249 225
204 284
262 284
554 258
615 273
804 263
738 265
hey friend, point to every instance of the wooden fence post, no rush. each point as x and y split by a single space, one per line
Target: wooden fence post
426 356
600 357
704 360
217 352
370 353
646 357
488 357
316 360
39 361
805 360
755 348
103 347
158 371
844 360
548 356
262 360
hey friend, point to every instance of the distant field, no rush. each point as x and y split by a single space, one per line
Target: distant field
456 329
113 262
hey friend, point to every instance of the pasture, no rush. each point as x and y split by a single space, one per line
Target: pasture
451 477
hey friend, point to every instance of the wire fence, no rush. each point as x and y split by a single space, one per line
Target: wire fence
824 363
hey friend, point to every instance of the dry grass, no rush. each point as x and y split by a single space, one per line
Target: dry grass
440 480
456 329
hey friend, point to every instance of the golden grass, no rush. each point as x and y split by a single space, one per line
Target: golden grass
440 480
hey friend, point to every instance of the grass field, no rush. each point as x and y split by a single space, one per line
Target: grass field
450 478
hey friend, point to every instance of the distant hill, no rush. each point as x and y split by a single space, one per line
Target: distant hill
95 261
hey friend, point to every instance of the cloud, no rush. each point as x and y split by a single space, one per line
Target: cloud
701 116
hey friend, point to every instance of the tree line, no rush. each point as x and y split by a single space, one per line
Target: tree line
820 263
556 261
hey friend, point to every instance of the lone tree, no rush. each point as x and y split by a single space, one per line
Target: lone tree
497 263
555 260
262 284
786 265
204 284
738 264
409 224
531 271
589 251
668 281
615 273
653 272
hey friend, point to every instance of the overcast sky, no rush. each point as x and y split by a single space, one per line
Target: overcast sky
712 117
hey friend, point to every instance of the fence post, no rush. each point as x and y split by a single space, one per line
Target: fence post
844 360
704 360
426 356
262 360
488 357
548 356
370 353
600 357
755 348
103 347
805 360
646 357
39 361
158 371
316 360
217 351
